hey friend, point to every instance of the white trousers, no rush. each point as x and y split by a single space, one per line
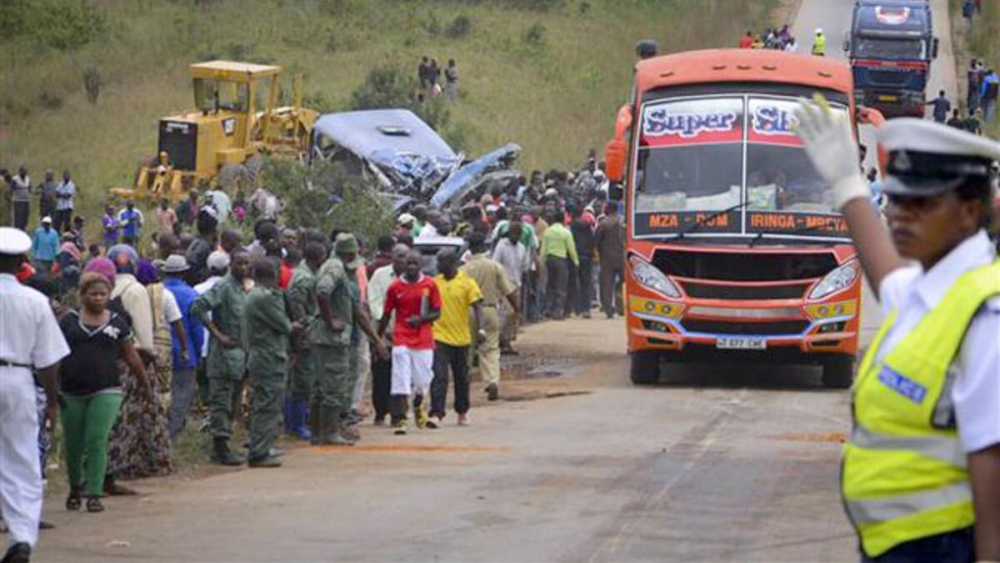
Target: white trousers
364 370
412 370
20 472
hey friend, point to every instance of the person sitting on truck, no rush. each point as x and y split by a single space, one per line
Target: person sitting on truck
941 107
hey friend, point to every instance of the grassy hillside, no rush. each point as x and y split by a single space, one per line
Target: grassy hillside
548 74
981 41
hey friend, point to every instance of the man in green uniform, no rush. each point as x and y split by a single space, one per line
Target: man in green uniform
268 329
331 338
221 310
304 310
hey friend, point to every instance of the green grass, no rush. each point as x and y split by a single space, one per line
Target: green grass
556 95
981 41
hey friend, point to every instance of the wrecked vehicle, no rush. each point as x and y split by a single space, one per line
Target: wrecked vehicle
404 155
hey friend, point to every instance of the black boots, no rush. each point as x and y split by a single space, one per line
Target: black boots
18 553
222 455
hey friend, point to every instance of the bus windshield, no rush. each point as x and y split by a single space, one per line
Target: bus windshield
892 49
735 152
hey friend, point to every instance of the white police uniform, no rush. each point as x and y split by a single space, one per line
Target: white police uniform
29 337
927 159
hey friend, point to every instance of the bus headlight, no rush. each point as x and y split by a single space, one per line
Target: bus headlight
838 279
652 278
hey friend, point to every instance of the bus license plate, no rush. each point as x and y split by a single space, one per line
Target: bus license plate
888 98
740 343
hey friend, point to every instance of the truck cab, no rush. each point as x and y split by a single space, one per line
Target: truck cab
890 46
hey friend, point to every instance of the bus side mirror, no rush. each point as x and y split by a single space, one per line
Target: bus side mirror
615 191
934 48
616 151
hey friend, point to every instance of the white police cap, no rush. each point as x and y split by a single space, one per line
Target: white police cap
927 158
14 242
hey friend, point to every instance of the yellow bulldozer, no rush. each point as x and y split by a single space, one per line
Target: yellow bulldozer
222 142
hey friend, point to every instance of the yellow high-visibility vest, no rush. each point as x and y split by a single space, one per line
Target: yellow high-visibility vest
904 473
819 46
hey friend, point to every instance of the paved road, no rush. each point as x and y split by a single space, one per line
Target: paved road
699 469
834 16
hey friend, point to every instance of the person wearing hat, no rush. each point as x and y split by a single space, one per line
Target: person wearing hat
222 310
921 471
218 267
269 330
819 43
186 347
30 339
44 246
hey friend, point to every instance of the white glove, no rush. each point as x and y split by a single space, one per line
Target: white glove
827 139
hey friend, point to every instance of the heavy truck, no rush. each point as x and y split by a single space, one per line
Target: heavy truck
236 121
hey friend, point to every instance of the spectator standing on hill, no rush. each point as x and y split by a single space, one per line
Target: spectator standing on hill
65 196
434 78
44 246
131 220
20 186
166 217
989 90
47 198
187 210
422 74
974 77
109 224
451 80
941 107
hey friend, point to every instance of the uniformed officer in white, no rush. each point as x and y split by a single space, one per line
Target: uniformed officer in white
30 338
921 471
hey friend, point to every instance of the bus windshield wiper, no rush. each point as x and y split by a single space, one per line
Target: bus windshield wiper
799 231
700 222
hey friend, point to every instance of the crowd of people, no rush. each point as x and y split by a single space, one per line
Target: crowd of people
284 332
429 74
781 40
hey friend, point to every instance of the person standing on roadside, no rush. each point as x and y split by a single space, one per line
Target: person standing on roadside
582 229
166 218
414 303
330 400
131 221
974 79
378 287
746 40
610 243
269 330
558 252
921 471
819 43
222 310
496 287
44 246
185 357
988 92
512 254
20 186
30 339
109 225
303 309
453 336
941 107
91 387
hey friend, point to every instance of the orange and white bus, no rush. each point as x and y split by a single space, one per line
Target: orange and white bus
734 252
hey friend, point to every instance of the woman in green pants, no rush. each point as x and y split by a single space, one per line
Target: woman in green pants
90 386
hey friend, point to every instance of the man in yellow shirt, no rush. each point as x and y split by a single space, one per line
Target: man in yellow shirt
453 337
558 251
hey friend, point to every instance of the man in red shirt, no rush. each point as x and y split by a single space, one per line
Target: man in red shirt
746 41
416 302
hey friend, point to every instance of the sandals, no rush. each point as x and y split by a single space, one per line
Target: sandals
94 505
73 500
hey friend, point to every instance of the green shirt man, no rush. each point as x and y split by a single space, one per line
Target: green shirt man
225 305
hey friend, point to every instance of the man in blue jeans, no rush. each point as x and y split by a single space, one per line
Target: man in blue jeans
182 384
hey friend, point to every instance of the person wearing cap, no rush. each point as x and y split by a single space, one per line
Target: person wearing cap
217 267
222 310
269 330
921 472
819 43
44 245
30 339
186 348
330 401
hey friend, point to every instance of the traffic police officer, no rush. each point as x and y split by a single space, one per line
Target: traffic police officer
921 472
30 338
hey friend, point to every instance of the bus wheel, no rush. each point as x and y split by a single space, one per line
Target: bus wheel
645 368
838 372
